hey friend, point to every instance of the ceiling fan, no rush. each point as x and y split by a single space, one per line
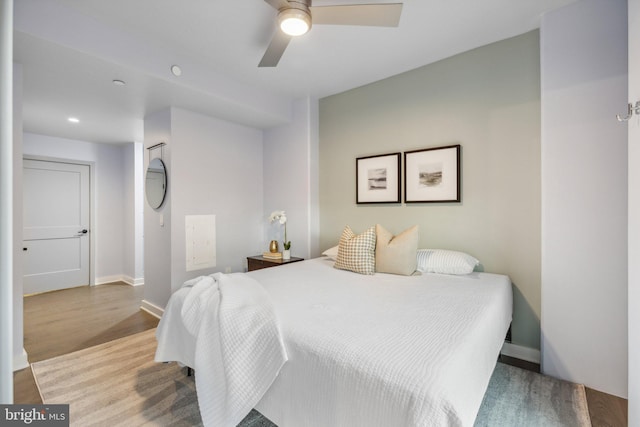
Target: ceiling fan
295 18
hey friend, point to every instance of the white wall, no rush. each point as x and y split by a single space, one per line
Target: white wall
634 216
584 194
290 184
20 359
214 167
6 201
157 222
132 250
139 211
128 196
109 228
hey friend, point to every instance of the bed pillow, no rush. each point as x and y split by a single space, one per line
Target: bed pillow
331 253
396 254
445 261
357 253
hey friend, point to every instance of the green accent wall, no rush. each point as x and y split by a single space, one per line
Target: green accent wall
488 101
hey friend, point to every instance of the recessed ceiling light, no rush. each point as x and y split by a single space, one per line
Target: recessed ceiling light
118 82
74 120
176 70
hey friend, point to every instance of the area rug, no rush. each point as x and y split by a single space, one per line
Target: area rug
119 384
517 397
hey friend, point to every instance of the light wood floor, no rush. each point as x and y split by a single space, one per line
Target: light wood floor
64 321
60 322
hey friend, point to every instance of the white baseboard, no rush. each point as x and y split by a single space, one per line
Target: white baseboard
119 278
108 279
152 309
133 282
520 352
21 361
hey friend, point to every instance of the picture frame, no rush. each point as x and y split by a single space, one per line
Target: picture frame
378 179
432 175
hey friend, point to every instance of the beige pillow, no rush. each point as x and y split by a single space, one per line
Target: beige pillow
357 253
396 254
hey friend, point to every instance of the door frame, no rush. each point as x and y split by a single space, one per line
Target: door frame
92 205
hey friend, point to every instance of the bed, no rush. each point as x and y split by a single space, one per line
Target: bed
382 350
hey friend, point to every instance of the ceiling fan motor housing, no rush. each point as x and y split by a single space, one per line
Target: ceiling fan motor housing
300 4
294 19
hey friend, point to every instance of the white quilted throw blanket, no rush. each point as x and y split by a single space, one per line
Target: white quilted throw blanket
225 327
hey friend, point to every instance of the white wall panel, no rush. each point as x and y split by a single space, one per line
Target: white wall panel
584 195
634 215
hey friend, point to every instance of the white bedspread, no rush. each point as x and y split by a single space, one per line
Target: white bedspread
383 350
225 327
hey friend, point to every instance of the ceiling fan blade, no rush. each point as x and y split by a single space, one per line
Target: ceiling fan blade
375 15
275 50
278 4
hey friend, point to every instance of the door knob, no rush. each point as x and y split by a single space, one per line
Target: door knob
83 231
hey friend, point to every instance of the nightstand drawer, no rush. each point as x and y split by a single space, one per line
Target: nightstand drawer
257 264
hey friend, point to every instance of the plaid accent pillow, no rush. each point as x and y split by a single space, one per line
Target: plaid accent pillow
357 253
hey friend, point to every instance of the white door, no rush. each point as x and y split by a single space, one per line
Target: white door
56 225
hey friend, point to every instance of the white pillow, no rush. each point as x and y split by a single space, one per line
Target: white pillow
445 262
332 253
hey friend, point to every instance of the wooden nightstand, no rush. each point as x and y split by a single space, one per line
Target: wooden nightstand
257 262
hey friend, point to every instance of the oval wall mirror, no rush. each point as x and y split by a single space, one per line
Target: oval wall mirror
156 183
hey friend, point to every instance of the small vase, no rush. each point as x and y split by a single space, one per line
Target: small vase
273 246
286 254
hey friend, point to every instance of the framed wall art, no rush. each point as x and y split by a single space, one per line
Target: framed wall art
378 179
432 175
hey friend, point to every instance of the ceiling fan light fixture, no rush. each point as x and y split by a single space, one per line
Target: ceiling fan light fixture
294 22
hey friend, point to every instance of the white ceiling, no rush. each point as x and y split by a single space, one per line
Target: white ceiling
71 50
